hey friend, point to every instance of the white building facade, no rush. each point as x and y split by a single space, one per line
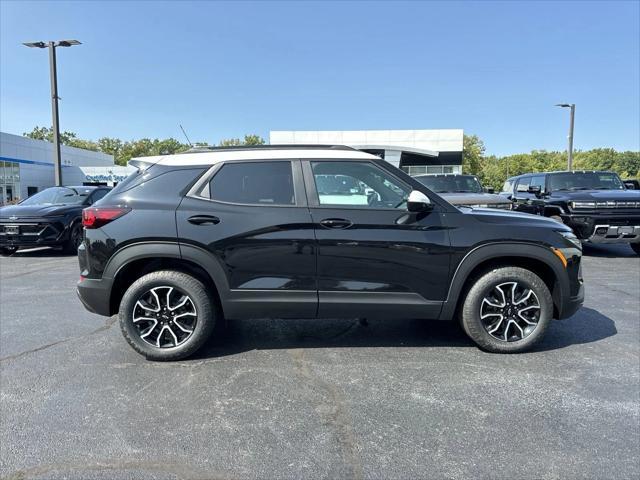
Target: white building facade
417 152
26 167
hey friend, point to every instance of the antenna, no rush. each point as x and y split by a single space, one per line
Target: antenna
185 135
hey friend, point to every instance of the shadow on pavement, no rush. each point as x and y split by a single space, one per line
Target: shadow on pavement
608 251
586 326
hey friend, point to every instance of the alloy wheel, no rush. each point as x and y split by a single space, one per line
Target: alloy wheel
510 311
164 317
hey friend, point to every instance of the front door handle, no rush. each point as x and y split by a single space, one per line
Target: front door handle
204 220
336 223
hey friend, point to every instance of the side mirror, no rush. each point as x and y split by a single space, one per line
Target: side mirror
418 202
489 190
535 189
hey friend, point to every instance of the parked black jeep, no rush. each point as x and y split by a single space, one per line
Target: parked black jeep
50 218
596 205
263 232
464 191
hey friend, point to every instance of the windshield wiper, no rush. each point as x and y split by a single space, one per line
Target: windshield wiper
580 188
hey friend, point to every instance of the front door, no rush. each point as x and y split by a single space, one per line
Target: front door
374 258
251 216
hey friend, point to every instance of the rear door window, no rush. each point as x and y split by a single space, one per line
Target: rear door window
254 183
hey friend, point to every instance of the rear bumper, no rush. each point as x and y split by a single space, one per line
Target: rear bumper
95 295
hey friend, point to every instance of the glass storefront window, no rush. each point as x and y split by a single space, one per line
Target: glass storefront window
9 182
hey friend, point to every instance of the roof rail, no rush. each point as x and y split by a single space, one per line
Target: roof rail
202 148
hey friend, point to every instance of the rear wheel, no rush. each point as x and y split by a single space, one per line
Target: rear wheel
8 251
635 247
166 315
507 310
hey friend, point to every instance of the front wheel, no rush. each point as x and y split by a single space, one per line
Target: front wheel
166 315
635 247
507 310
75 239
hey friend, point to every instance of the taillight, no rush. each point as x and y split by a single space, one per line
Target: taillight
96 217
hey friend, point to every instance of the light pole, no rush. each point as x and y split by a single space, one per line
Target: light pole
57 164
572 106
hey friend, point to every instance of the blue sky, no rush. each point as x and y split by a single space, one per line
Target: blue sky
226 69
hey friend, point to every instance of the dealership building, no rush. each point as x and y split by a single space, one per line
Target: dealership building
415 151
26 167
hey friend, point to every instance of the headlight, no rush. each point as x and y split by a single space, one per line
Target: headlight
572 238
576 205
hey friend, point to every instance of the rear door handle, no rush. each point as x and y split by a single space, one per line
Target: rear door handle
336 223
203 220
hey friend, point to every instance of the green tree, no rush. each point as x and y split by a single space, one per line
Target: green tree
472 154
248 140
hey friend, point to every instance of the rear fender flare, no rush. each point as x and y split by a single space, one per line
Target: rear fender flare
173 250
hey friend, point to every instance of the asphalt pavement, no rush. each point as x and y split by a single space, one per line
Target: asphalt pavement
317 399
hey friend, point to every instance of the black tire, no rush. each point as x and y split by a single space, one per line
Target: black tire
187 286
635 247
8 251
483 288
75 239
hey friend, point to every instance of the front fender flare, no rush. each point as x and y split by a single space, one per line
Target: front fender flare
495 251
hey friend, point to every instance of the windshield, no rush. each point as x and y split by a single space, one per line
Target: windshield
58 196
585 181
453 183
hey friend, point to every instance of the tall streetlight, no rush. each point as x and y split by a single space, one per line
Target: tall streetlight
57 165
572 106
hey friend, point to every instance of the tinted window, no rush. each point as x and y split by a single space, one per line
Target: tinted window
585 181
523 184
98 194
59 196
538 181
451 183
260 183
358 184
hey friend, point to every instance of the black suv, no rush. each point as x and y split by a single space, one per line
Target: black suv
464 191
52 218
596 205
239 233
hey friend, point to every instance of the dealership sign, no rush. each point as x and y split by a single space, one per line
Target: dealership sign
109 175
105 178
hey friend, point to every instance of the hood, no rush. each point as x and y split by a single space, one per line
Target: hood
510 217
597 195
37 211
473 198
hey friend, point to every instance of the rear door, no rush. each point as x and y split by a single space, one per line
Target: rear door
374 259
252 218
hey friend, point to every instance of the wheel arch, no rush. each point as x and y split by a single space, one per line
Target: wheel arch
134 261
536 258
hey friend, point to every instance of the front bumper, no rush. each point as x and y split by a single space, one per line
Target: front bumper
572 304
615 234
32 234
605 228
